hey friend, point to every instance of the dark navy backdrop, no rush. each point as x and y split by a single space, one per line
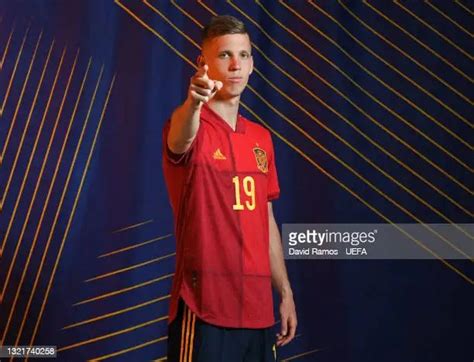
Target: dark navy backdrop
369 107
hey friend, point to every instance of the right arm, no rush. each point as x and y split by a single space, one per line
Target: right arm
185 119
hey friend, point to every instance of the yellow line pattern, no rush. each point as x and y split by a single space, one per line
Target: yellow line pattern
445 38
373 120
12 77
77 195
7 46
135 266
464 7
65 188
30 207
118 312
135 246
407 78
124 290
113 334
374 99
41 172
134 348
455 23
418 41
132 226
406 122
301 355
33 105
5 145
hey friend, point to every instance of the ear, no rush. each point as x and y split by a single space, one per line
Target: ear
200 60
251 65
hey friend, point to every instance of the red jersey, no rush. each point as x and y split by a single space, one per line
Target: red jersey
219 191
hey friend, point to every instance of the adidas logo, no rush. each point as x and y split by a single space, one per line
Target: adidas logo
218 155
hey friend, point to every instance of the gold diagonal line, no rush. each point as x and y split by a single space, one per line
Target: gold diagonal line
71 216
406 122
464 7
25 267
134 266
2 155
135 246
455 23
134 348
123 290
333 133
15 67
113 334
404 76
117 312
160 359
301 355
373 120
46 158
7 46
372 97
445 38
65 188
25 176
329 175
132 226
418 41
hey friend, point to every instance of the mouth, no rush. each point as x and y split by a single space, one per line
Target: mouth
235 79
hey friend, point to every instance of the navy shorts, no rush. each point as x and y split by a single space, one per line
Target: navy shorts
190 339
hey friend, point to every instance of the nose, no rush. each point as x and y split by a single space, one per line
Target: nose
234 63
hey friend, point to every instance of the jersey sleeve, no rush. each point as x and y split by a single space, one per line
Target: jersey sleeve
174 158
273 187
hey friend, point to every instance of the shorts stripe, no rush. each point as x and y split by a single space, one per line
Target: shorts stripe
187 335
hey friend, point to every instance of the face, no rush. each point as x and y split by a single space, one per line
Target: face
229 60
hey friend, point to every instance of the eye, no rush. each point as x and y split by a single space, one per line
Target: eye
223 55
245 55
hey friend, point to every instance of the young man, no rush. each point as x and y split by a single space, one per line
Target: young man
220 173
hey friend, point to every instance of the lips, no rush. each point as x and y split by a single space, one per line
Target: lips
235 79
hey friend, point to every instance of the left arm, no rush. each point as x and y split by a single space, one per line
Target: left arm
281 283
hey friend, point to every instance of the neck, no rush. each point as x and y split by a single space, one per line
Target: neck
228 109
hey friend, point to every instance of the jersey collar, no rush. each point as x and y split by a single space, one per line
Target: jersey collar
239 127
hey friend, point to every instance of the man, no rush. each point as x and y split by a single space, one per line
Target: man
220 173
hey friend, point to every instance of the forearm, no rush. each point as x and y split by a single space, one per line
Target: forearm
184 126
280 279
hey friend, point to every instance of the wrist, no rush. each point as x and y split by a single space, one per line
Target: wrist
193 104
286 292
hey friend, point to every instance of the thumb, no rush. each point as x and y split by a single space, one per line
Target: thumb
284 326
218 85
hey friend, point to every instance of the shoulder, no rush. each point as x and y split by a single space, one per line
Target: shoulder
256 130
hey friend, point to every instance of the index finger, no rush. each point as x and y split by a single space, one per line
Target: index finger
202 70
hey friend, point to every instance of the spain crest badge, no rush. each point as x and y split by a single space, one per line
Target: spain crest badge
261 158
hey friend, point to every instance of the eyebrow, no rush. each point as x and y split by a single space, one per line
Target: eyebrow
230 51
